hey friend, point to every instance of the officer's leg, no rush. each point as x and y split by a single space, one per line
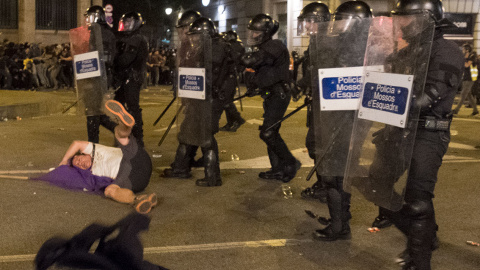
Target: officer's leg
338 202
181 164
107 123
275 107
132 101
317 191
234 120
212 166
93 128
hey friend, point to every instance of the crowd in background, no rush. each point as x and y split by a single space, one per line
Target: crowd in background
160 66
29 66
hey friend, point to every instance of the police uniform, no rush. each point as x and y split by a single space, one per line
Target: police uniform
271 67
109 49
228 89
130 64
417 217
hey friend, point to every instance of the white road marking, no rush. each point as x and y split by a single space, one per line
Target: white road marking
189 248
163 129
255 122
14 177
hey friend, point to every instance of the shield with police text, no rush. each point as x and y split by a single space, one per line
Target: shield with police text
89 66
386 122
337 50
194 82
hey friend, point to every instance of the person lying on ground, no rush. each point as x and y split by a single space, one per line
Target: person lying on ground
118 172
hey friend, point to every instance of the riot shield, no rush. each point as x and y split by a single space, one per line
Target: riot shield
378 164
194 82
338 54
89 66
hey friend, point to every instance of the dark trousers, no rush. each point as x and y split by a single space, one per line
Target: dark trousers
416 219
275 105
129 96
93 126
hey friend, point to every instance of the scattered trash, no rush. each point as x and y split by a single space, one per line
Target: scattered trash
287 191
471 243
34 193
373 229
454 132
30 164
156 156
235 157
223 151
5 119
60 129
241 172
19 118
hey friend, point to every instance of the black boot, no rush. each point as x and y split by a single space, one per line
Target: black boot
290 171
181 164
381 221
339 209
276 171
212 168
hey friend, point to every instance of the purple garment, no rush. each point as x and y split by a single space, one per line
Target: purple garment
74 178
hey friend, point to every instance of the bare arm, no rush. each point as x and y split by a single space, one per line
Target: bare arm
75 147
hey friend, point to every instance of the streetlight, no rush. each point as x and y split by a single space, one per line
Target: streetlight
168 11
205 2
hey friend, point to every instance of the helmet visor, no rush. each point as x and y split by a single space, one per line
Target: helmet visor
307 26
126 25
341 23
255 37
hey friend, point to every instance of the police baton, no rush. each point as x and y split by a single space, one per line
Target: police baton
169 126
330 144
287 116
70 106
165 110
240 97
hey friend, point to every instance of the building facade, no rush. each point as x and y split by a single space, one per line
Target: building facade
48 21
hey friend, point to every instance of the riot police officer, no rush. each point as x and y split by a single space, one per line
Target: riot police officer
270 60
416 219
236 50
310 15
343 45
96 15
130 64
199 56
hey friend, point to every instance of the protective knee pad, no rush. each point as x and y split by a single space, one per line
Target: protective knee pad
422 232
268 136
330 182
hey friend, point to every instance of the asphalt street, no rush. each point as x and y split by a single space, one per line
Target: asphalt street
246 223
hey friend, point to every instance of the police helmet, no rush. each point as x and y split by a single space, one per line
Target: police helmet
349 14
230 36
353 9
202 25
312 13
410 7
261 28
130 22
95 14
187 18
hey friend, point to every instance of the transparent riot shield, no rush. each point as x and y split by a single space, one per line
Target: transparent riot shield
378 163
338 51
194 82
89 66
